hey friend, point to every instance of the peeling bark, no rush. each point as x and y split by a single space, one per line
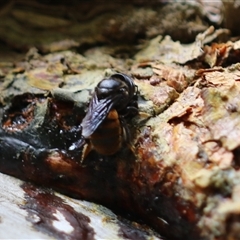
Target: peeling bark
182 176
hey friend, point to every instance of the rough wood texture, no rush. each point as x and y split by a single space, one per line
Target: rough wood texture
180 172
30 212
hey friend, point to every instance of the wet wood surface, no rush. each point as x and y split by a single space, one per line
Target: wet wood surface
31 212
179 173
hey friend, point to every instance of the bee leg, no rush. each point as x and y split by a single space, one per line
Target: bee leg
125 129
86 150
131 111
78 144
127 135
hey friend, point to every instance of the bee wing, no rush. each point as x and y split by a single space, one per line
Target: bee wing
97 112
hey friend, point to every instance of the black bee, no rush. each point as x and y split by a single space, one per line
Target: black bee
104 126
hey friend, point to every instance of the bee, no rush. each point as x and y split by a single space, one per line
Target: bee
104 126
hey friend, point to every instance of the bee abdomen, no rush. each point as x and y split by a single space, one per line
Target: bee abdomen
107 139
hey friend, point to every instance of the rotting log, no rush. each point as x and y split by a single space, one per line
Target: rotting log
40 213
38 152
182 178
70 24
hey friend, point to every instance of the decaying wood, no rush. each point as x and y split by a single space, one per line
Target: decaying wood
31 212
185 144
52 27
179 175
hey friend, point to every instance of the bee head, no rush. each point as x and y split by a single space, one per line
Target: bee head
118 87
